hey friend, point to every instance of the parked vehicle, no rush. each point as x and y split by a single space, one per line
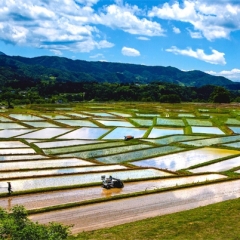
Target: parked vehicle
129 137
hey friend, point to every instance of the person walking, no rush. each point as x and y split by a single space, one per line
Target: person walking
9 188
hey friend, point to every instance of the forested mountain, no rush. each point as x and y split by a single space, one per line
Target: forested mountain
25 71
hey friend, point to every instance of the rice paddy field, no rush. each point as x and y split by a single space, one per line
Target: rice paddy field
52 149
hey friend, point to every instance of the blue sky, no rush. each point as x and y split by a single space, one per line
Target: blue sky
186 34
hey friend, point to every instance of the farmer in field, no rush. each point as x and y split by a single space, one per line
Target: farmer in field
9 188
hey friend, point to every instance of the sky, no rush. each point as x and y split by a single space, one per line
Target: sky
187 34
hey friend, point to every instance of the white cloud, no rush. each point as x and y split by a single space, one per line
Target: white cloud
195 34
143 38
56 52
233 74
131 52
176 30
124 18
214 58
71 25
214 19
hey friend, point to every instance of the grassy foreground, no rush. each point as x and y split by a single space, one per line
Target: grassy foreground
216 221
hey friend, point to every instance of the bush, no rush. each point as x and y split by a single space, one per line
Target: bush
17 226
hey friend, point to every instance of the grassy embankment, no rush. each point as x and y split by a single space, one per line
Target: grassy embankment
219 221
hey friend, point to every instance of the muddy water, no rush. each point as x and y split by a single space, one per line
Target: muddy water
113 213
41 200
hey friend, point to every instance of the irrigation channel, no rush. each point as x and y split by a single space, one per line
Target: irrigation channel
111 213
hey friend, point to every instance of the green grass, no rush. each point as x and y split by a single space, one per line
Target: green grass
217 221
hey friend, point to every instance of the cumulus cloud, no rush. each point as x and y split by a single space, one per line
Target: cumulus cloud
214 58
176 30
131 52
233 74
214 19
71 25
125 18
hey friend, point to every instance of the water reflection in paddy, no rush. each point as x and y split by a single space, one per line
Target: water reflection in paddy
159 132
85 133
78 115
76 179
115 123
25 117
143 122
171 139
10 125
100 114
120 132
13 144
108 151
56 144
147 114
43 163
129 156
40 124
170 122
21 157
4 119
121 114
199 122
185 159
17 151
219 167
210 130
13 132
80 123
57 116
235 129
31 173
70 149
46 133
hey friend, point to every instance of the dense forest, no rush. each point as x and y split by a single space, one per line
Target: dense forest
60 92
61 80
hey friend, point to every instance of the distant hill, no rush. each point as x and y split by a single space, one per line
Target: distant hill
17 68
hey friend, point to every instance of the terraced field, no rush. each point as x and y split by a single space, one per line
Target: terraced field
54 156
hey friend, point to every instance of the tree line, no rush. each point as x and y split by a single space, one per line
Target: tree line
52 91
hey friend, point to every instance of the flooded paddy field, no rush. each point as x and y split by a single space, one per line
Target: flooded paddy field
43 149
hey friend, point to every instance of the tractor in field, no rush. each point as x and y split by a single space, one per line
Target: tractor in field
111 182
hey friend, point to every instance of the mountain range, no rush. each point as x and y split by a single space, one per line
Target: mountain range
17 68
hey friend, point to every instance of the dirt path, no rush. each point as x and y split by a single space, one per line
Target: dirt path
47 199
112 213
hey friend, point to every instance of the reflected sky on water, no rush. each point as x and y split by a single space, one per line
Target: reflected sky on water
159 132
209 130
10 125
77 123
77 179
46 133
7 133
115 123
185 159
65 162
85 133
25 117
56 144
120 132
41 124
219 167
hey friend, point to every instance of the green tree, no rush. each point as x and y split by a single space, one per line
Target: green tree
220 95
17 226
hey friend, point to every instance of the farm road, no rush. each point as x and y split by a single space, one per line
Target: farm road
107 214
47 199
